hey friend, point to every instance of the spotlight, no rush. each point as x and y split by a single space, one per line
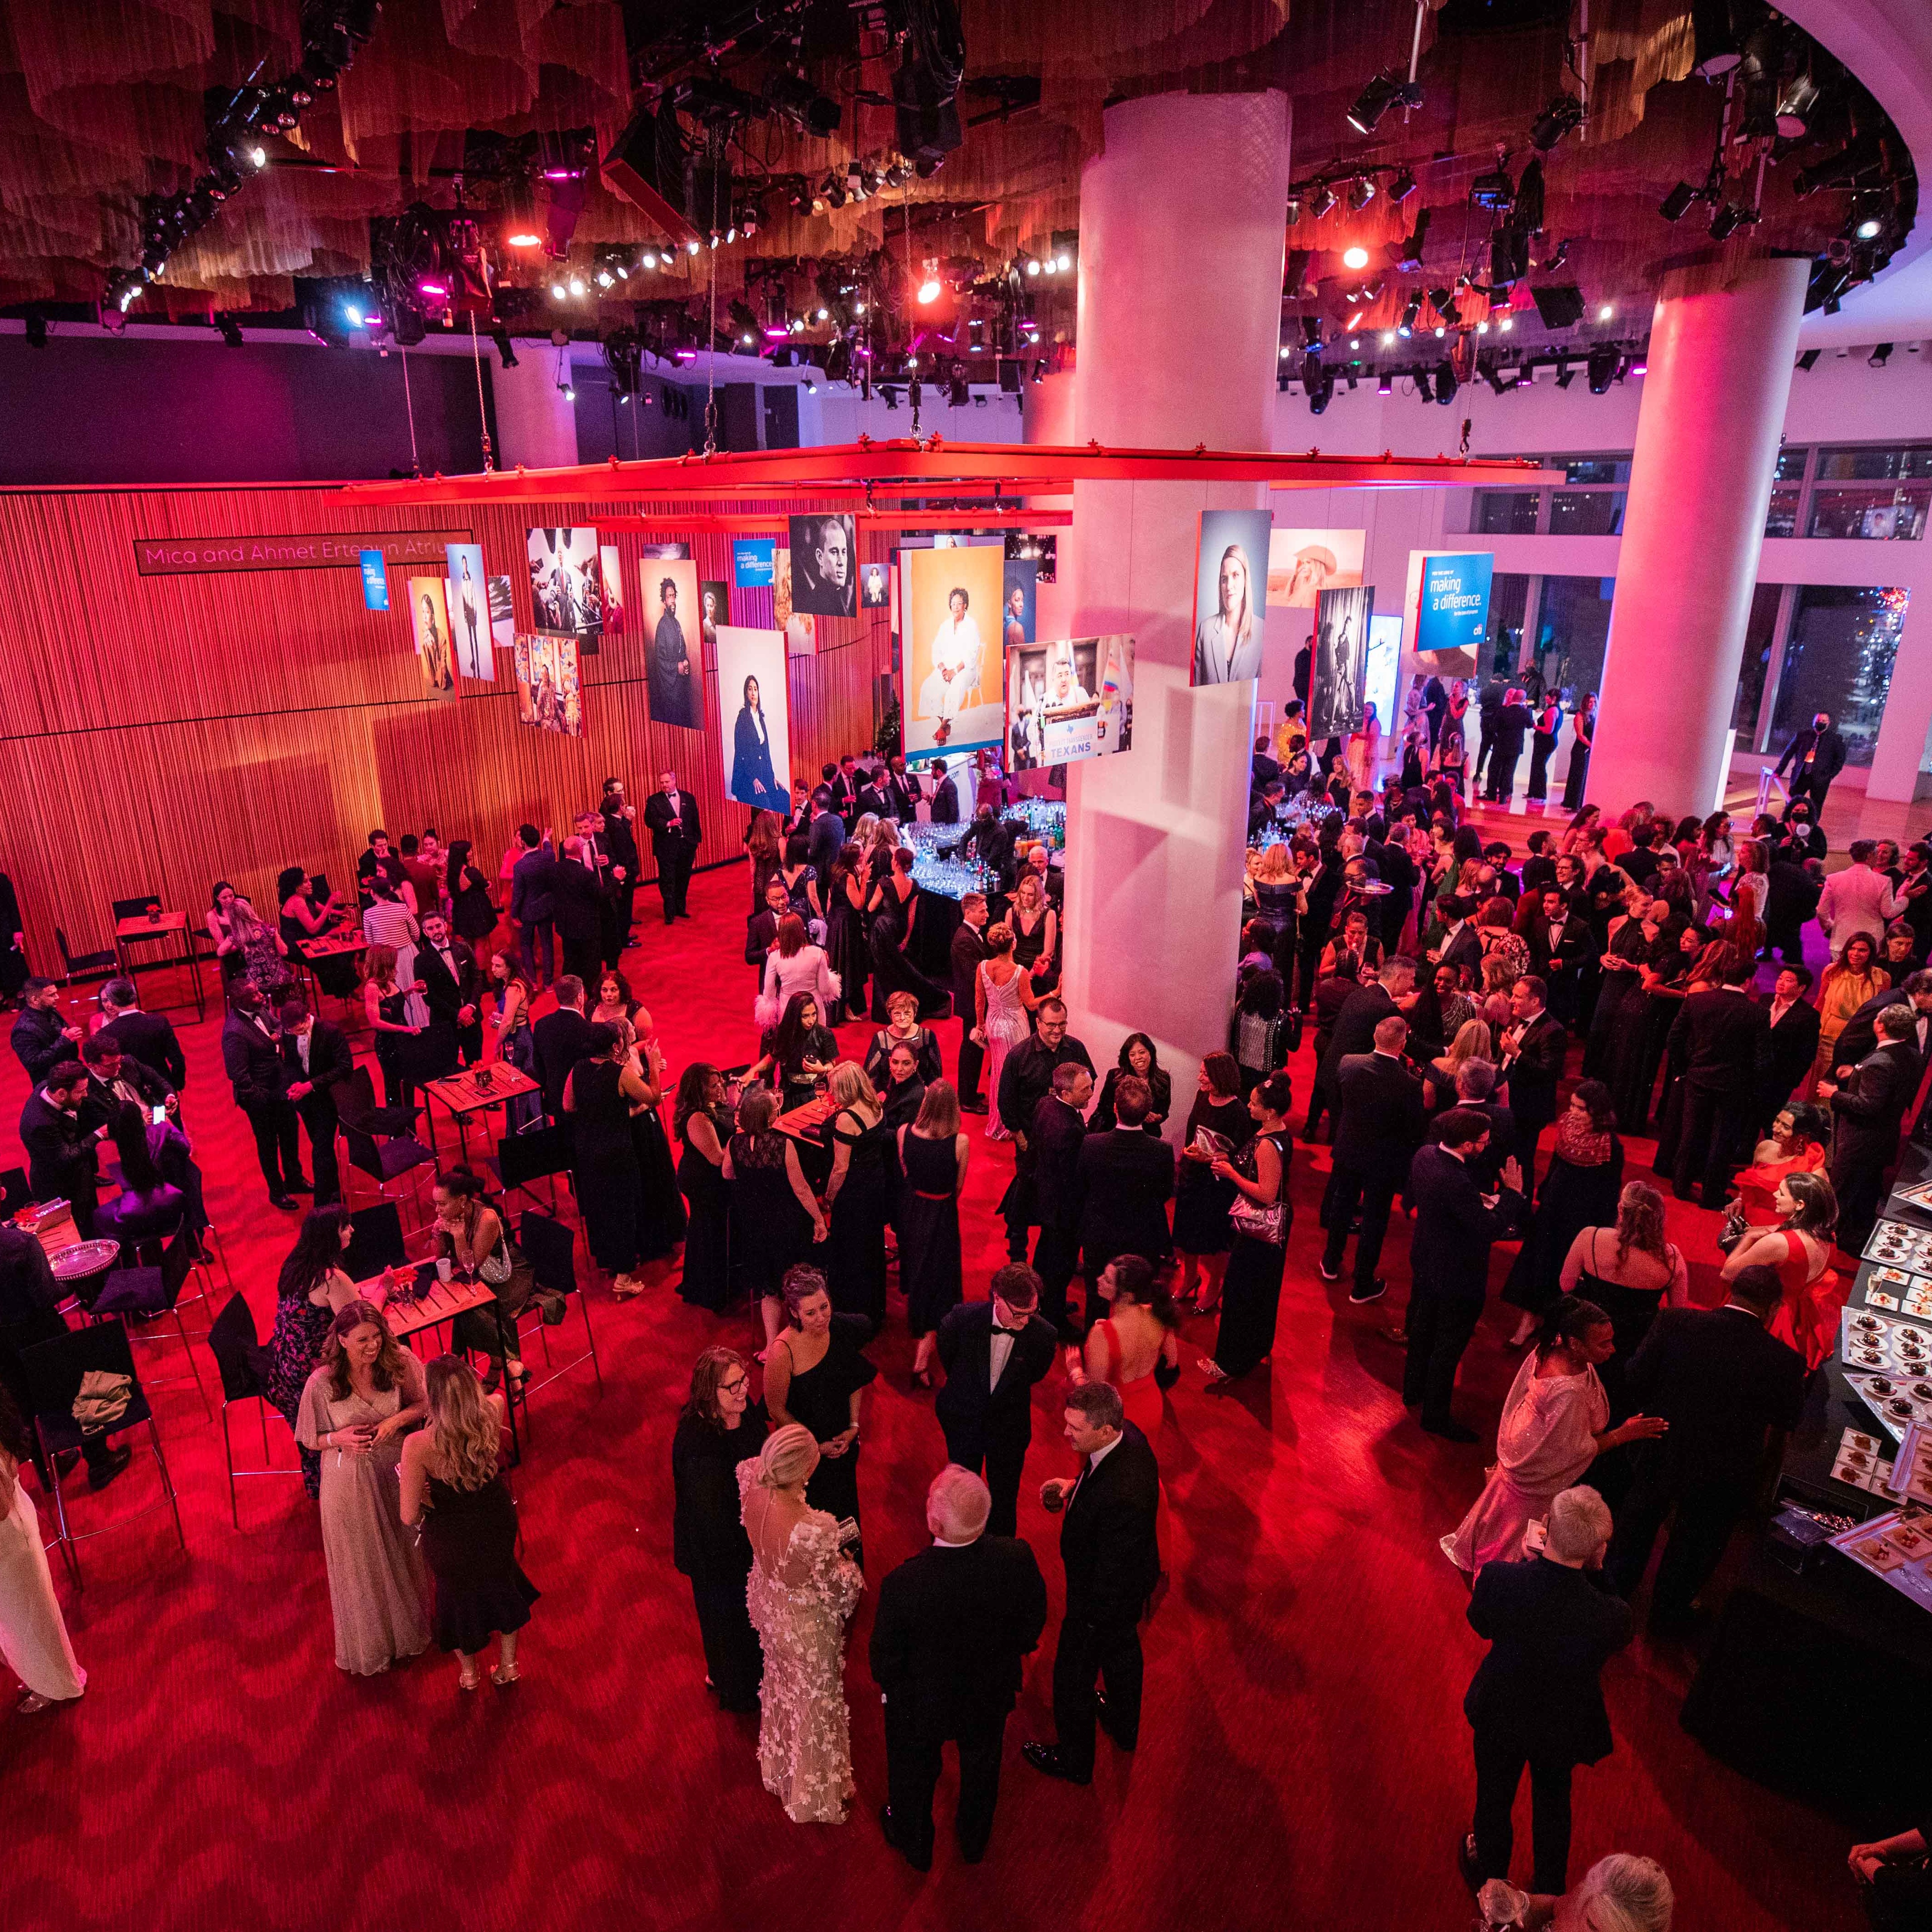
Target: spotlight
558 292
1361 192
1564 113
929 289
1676 204
1880 355
1386 90
1388 338
1796 105
1494 190
1601 370
1401 187
577 285
231 331
519 226
1033 264
1445 383
565 391
1868 229
801 104
1491 375
1320 388
1605 312
1354 258
1384 384
1565 375
1411 309
1714 39
1294 221
1422 389
1729 218
1321 201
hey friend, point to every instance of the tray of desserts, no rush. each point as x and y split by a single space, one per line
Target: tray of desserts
1898 1401
1899 1291
1894 1245
1912 1474
1870 1341
1862 1461
1897 1546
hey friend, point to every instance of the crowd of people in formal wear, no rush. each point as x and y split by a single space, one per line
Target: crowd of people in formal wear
1489 1028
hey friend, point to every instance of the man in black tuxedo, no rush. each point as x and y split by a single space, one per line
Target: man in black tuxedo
60 1143
1488 709
1513 721
1534 1044
1024 1081
1460 946
1109 1543
116 1079
594 856
1361 1013
1792 1039
824 839
149 1038
1449 1261
42 1037
671 816
1377 1131
969 948
1817 756
578 909
1560 941
945 796
1436 706
1722 1039
901 794
251 1057
1124 1180
845 789
1058 1133
452 985
316 1060
533 906
1475 1089
620 840
1867 1110
1262 766
1552 1621
561 1040
952 1628
1538 871
1721 1382
993 1352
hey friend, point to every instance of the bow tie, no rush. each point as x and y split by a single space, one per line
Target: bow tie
998 1330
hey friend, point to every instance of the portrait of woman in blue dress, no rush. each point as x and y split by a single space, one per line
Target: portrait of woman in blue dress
753 781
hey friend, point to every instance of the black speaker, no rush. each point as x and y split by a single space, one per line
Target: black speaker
1559 305
646 166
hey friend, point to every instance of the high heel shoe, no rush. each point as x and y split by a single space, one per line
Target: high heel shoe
504 1675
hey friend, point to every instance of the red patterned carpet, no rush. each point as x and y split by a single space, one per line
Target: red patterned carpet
1303 1758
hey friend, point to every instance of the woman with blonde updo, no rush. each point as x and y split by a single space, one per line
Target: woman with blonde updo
802 1588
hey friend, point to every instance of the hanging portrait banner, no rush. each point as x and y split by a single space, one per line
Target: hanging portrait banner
753 717
1230 595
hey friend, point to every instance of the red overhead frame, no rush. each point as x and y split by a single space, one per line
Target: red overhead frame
671 523
936 466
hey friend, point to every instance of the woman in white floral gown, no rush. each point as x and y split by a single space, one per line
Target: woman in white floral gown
801 1590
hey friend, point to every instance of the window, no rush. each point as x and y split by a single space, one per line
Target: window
1760 630
1838 659
1509 600
1790 466
1586 513
1510 513
1573 625
1875 511
1864 465
1597 469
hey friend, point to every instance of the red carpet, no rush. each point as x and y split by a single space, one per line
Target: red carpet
1303 1759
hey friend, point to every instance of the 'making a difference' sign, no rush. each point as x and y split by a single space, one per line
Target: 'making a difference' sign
324 550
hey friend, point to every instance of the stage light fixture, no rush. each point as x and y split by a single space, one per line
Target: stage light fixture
1796 106
1361 192
1411 310
1880 355
1385 90
1601 370
1321 202
1491 375
1493 190
1564 373
1676 204
1729 218
1355 258
231 330
558 292
1388 338
566 391
929 289
1384 384
1714 40
1564 113
520 226
1868 229
1605 312
1445 383
1422 389
1294 210
577 285
1401 187
1809 360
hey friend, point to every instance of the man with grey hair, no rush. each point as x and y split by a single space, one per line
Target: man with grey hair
1109 1543
953 1627
1553 1620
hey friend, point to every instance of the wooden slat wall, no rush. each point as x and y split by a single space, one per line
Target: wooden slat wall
158 733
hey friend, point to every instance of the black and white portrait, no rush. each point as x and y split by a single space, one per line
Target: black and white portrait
1341 661
824 566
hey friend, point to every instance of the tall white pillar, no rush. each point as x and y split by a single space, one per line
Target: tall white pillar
1182 235
1722 343
535 425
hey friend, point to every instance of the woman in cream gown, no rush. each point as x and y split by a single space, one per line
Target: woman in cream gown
33 1638
801 1590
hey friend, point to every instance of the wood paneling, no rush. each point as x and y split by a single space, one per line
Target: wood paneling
159 734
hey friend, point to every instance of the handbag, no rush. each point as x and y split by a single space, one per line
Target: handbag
1735 1229
1268 1224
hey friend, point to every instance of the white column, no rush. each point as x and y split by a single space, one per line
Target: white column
1181 253
1908 712
535 426
1722 344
